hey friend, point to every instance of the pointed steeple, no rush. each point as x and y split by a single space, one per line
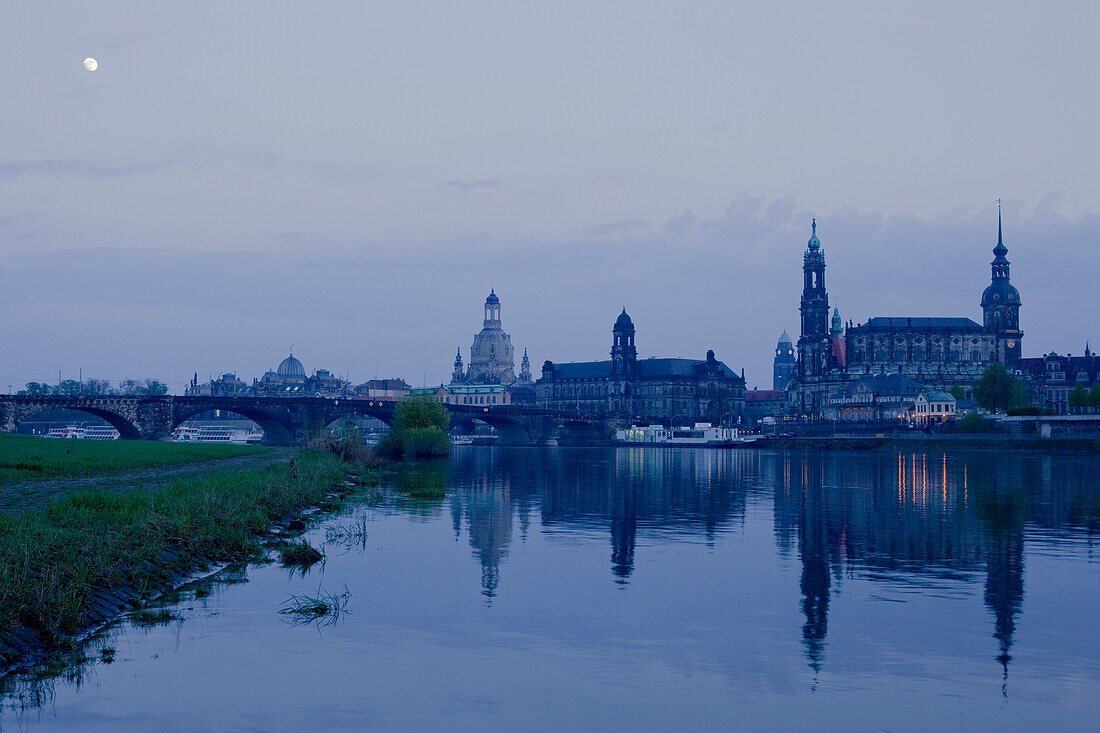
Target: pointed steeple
525 368
814 244
457 375
837 325
1000 250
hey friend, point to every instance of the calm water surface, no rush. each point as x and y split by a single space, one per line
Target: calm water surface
652 589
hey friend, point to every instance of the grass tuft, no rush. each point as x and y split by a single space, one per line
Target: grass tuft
299 554
324 608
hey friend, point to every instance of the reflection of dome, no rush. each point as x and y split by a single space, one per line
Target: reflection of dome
291 367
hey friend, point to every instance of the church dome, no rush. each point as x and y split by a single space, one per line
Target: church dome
492 299
1000 292
291 367
785 340
623 321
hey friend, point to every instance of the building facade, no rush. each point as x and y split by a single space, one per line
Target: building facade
934 352
1052 378
679 391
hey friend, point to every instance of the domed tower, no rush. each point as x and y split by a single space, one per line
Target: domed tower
785 362
624 357
814 344
1001 305
291 368
492 360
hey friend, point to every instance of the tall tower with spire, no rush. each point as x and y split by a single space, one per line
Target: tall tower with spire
525 368
459 373
1001 304
814 344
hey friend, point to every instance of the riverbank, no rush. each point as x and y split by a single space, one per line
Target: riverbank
25 458
77 563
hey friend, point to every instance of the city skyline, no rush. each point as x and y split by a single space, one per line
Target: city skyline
1052 313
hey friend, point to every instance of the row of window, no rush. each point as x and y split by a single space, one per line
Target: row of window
918 355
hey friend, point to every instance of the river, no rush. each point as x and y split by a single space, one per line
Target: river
649 589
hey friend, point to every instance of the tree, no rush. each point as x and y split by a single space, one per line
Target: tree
1094 395
36 389
419 429
999 390
129 387
96 387
1079 397
154 387
957 392
69 388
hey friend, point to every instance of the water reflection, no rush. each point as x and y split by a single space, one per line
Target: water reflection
926 520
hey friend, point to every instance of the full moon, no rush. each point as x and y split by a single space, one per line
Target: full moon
91 64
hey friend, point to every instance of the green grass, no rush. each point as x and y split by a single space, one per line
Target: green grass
299 554
53 559
324 607
30 458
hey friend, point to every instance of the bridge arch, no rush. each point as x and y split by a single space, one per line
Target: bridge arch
126 429
276 431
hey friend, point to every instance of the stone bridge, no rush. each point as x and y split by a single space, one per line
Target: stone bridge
289 420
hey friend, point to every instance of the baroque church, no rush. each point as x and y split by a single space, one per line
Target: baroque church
934 352
490 378
492 360
676 391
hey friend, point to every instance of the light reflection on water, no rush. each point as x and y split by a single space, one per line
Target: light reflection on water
654 588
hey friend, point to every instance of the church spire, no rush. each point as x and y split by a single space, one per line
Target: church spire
1000 250
814 244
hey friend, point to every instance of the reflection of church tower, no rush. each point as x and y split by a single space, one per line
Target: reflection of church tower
489 517
624 528
1004 580
813 548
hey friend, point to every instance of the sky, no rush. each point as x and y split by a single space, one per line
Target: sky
351 178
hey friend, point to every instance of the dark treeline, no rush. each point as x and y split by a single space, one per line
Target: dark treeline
73 388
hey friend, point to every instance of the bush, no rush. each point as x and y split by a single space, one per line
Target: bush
419 429
974 423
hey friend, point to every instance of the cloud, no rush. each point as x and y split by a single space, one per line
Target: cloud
192 157
615 227
76 167
482 184
682 223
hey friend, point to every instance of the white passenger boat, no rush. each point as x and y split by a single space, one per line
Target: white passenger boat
84 432
216 434
702 434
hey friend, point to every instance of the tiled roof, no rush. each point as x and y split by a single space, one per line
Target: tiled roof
922 324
